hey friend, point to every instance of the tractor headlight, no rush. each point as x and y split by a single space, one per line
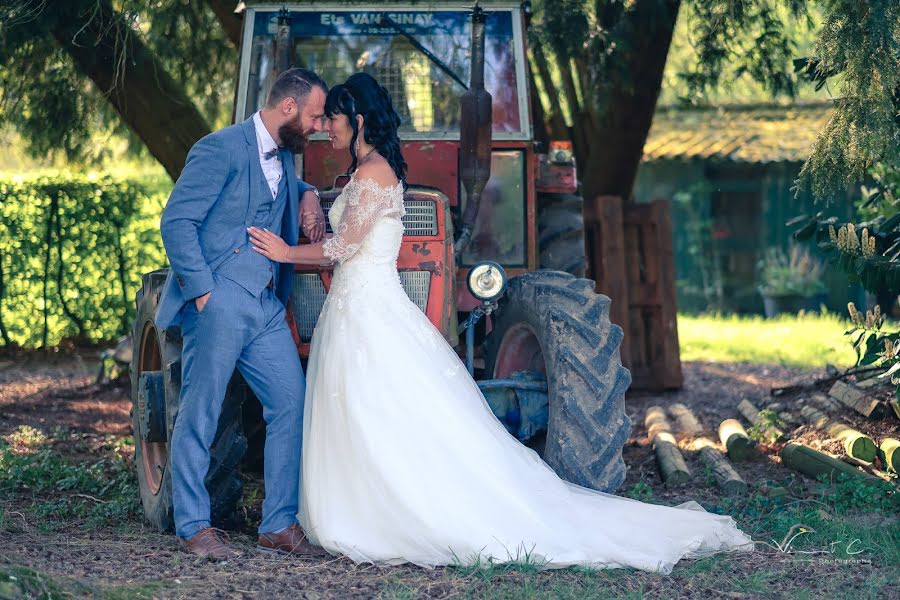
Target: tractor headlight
487 281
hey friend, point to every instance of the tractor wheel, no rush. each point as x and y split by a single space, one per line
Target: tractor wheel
553 325
155 388
561 233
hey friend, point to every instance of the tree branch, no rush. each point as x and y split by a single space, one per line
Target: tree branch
228 19
553 112
134 82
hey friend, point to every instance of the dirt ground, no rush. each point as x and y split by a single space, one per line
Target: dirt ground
130 560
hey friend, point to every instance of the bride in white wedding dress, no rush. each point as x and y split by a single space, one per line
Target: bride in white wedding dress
403 460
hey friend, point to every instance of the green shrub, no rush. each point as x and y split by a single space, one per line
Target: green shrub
72 250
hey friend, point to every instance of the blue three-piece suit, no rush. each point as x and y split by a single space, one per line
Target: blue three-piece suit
222 191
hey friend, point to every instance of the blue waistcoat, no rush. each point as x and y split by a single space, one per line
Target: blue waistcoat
248 268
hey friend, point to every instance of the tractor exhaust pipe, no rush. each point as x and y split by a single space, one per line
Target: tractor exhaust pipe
475 121
283 50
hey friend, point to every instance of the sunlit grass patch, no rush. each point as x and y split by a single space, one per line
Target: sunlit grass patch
25 440
806 340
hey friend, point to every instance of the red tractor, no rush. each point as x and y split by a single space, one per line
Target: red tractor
484 202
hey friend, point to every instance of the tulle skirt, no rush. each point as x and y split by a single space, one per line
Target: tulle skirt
403 460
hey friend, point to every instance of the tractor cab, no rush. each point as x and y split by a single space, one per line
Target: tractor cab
422 55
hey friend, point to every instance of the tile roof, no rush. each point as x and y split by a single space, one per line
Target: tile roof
760 134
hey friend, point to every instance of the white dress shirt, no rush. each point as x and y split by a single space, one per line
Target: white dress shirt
271 167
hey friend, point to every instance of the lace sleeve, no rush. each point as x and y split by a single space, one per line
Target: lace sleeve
367 202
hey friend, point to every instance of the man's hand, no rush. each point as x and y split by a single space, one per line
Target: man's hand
201 301
312 219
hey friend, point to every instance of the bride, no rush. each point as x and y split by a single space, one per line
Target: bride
403 460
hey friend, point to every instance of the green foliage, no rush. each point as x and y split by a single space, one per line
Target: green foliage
849 493
857 46
72 250
642 491
797 272
99 493
767 418
734 38
737 86
58 109
869 251
23 582
861 42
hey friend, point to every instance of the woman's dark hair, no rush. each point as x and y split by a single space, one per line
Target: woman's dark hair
362 95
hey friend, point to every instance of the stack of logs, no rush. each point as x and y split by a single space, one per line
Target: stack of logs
815 410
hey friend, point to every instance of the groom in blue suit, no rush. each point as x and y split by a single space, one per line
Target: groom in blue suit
230 303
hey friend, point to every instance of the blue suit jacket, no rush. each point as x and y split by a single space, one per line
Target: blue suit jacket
213 202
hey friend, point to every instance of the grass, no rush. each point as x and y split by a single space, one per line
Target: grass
822 539
806 341
65 492
23 582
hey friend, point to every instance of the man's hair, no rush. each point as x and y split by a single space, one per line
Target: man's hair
294 83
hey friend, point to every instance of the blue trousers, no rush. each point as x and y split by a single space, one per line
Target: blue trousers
237 329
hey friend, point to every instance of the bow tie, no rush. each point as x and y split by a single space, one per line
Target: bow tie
270 153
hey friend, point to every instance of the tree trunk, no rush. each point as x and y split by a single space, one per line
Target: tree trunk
4 334
150 101
228 19
609 156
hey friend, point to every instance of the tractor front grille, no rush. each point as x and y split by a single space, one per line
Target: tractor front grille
420 218
309 297
417 285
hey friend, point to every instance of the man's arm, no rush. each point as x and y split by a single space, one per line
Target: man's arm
312 218
195 192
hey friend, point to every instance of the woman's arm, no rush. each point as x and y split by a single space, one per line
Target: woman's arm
272 246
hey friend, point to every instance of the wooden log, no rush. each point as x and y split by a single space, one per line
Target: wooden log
826 403
685 419
784 415
726 477
814 463
857 400
895 406
789 418
772 490
856 444
890 454
768 430
672 468
868 468
872 382
735 439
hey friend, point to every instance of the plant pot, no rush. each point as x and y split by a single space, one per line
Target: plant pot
792 303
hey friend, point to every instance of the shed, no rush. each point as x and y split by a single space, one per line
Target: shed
730 173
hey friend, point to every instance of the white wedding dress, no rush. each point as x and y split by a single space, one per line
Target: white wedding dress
403 460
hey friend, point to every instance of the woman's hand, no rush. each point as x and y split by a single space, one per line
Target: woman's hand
269 245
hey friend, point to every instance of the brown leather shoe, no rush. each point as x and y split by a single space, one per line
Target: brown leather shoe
212 543
290 541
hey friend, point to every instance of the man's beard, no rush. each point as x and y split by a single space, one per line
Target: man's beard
293 137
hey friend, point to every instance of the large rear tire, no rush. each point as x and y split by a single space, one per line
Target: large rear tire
155 389
561 233
553 323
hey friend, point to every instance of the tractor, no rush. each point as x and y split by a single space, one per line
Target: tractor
493 248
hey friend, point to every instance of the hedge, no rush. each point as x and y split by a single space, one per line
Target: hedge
72 251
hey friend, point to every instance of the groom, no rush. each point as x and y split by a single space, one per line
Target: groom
230 302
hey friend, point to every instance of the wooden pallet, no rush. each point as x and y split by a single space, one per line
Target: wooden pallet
630 246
